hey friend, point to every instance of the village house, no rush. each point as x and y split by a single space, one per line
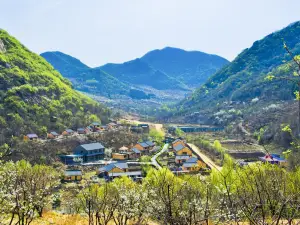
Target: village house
112 125
193 164
52 135
68 132
182 150
30 137
82 130
273 159
95 126
73 175
120 156
144 147
178 142
114 170
179 159
90 152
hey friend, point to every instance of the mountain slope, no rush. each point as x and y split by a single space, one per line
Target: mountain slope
190 67
65 64
83 77
243 79
138 72
35 98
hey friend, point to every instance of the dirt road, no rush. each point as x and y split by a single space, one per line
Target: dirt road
205 158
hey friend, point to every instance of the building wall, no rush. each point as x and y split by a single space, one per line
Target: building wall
119 157
116 170
184 151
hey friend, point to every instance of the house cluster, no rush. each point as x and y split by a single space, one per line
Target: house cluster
135 152
184 158
93 127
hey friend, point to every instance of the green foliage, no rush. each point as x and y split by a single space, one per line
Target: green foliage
245 77
157 136
31 92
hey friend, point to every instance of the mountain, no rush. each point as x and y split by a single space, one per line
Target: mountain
244 78
35 98
65 64
192 68
138 72
84 78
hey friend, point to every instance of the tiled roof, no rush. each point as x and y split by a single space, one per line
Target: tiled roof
92 146
192 160
179 147
109 167
54 133
69 130
135 150
32 135
121 165
178 157
143 144
150 143
96 123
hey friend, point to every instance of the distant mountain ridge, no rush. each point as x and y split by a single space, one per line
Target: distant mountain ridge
190 67
165 69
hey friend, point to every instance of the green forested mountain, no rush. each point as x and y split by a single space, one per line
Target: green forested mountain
34 97
166 69
244 78
83 77
70 65
138 72
192 68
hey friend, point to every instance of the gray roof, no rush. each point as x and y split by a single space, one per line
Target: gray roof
54 133
143 144
32 135
73 173
96 123
182 157
192 160
179 147
109 167
150 143
135 150
122 165
92 146
69 130
189 165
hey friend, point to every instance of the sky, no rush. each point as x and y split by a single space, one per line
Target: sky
103 31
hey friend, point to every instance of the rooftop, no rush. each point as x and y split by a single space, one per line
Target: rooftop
32 135
92 146
178 157
73 173
179 147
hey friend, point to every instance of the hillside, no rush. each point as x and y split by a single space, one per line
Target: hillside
138 72
34 97
192 68
243 79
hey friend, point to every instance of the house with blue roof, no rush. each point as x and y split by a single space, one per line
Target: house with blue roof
114 170
144 147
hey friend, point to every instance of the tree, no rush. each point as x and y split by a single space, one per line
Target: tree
25 190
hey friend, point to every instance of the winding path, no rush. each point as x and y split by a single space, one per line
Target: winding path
153 159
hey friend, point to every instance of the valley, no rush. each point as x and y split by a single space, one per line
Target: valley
174 137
